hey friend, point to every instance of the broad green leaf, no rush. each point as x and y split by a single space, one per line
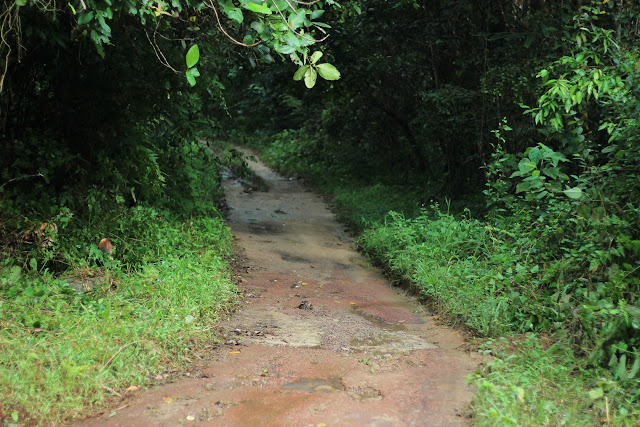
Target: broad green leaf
21 3
523 187
235 14
191 74
103 24
33 263
317 14
544 74
526 165
16 273
301 72
292 39
284 49
297 20
596 393
310 77
315 56
573 192
328 71
193 55
85 18
258 26
282 5
191 79
622 368
534 155
258 8
634 368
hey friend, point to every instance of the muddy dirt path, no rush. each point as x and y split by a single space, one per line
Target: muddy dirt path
320 338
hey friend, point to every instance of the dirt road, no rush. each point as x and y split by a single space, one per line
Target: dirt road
320 339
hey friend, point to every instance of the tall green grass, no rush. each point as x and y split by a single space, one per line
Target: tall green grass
62 354
490 280
474 272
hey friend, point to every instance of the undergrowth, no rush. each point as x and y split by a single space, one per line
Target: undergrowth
63 353
79 326
491 280
534 381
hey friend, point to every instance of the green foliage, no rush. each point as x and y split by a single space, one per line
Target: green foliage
533 380
311 70
276 26
368 206
290 152
479 274
63 352
578 197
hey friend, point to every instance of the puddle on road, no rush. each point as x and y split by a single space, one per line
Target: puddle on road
391 327
316 385
265 228
293 258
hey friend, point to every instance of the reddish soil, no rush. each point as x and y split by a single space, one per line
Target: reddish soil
321 338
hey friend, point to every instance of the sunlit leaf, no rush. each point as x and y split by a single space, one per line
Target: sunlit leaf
258 8
301 72
310 77
596 393
298 19
191 74
315 56
328 71
573 193
235 14
193 55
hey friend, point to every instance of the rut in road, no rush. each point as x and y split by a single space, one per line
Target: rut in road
321 338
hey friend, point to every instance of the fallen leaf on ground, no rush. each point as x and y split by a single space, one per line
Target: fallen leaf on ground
234 352
132 388
168 399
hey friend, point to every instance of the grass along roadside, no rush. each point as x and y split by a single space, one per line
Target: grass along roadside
63 354
486 279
